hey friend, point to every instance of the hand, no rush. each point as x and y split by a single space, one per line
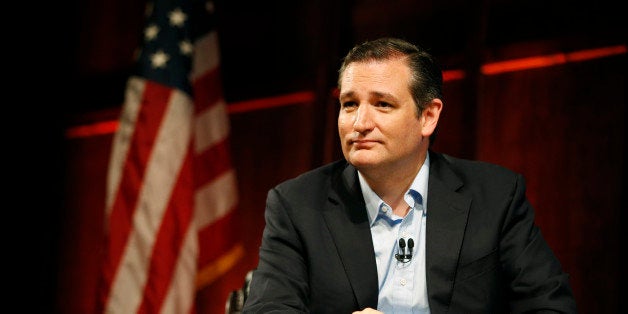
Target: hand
367 310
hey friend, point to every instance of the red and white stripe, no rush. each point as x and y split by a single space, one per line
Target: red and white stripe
169 188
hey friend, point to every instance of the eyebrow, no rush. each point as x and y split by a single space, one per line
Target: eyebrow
384 95
346 94
380 95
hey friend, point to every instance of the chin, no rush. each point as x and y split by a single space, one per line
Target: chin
362 163
363 159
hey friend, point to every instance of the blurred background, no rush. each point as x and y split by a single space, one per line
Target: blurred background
537 86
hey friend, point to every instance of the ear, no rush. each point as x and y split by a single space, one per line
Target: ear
429 117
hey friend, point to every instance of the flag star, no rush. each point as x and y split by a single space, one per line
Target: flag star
186 47
177 17
151 32
159 59
209 6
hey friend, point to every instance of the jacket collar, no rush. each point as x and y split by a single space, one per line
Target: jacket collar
446 224
348 223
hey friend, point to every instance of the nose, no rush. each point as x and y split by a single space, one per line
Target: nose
363 119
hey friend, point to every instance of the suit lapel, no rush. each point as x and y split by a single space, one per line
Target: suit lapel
447 213
447 218
348 224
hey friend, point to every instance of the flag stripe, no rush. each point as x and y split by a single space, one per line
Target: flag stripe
216 196
206 171
206 55
121 143
209 87
171 181
174 227
127 139
162 168
218 237
130 178
211 126
215 199
180 297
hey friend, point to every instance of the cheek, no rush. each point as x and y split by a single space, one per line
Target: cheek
412 135
343 124
406 131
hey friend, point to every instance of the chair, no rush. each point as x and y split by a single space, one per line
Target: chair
236 299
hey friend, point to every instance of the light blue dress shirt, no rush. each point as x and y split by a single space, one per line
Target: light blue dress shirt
402 286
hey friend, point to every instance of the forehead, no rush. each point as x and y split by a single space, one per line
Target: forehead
388 75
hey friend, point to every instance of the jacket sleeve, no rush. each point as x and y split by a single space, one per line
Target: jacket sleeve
279 283
534 274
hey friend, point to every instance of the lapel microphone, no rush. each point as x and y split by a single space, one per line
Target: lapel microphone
402 256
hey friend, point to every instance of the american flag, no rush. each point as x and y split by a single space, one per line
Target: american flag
171 188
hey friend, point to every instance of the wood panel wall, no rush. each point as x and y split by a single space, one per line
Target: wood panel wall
561 126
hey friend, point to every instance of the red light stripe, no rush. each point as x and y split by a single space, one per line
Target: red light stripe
452 75
108 127
550 60
271 102
94 129
523 64
589 54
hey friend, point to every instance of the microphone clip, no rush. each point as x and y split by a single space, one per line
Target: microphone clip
402 256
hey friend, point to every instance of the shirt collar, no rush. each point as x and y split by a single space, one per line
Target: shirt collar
416 193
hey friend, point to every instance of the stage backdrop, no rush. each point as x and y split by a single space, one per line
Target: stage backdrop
561 125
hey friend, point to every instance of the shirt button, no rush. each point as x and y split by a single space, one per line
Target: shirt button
403 282
385 208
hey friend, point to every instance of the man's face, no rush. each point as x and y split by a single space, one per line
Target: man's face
378 123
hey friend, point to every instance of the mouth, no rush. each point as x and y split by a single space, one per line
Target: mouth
362 143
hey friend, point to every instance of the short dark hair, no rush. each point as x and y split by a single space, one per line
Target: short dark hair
427 76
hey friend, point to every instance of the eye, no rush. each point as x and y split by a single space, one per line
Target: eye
383 104
349 104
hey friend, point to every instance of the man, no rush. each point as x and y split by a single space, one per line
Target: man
396 227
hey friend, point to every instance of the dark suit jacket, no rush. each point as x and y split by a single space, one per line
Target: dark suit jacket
484 253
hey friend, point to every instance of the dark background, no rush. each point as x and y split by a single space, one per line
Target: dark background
562 126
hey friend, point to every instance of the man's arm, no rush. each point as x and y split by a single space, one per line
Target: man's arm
536 279
280 282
